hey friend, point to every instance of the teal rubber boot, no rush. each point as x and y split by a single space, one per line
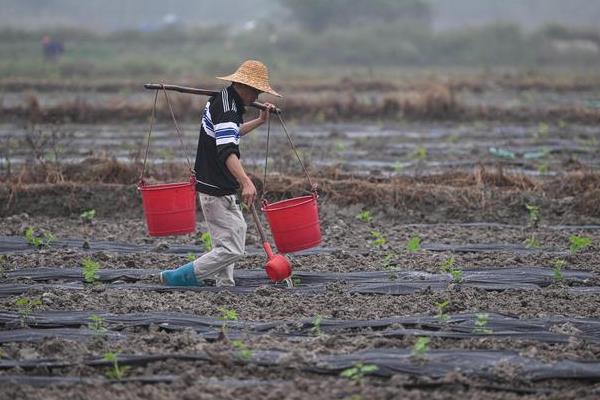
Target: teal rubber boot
182 276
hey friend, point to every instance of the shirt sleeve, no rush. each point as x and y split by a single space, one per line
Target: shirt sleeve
227 136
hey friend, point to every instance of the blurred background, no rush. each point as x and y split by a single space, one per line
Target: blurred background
379 87
482 94
296 38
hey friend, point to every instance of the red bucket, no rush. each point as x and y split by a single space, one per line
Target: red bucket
170 208
294 223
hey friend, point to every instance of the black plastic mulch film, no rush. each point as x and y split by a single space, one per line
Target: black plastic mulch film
437 363
389 361
67 324
41 381
18 244
379 282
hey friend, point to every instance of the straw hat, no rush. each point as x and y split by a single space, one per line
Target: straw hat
252 73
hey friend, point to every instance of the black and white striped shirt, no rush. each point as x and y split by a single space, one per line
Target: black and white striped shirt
219 138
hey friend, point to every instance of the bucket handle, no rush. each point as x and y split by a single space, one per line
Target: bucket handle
313 185
265 203
142 183
152 119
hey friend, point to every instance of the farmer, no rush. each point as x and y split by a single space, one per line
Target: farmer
219 176
52 48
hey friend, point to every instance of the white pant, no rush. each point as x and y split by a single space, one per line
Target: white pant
227 229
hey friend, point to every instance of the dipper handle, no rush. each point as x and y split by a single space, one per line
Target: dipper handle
257 222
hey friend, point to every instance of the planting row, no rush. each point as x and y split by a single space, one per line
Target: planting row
83 325
392 282
11 244
383 362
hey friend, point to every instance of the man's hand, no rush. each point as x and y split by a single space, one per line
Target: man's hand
235 167
255 123
248 192
263 113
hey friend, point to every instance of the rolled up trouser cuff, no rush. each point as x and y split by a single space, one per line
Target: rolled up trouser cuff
182 276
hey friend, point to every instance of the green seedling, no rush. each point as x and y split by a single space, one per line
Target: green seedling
388 261
378 239
398 167
227 314
25 306
534 214
441 311
578 243
543 168
481 322
457 275
562 124
453 138
36 241
245 352
339 147
447 264
88 216
31 239
414 244
358 371
296 280
365 216
90 270
190 257
117 372
420 348
532 243
97 324
558 266
207 241
420 153
543 129
316 325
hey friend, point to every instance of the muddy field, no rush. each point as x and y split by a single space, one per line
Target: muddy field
459 260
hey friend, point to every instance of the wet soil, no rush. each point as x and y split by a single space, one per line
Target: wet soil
351 241
461 187
379 148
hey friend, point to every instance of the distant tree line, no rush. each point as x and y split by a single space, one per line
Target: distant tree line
318 15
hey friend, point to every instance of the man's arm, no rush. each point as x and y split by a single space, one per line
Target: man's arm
234 165
255 123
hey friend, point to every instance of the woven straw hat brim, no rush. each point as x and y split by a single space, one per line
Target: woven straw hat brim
256 83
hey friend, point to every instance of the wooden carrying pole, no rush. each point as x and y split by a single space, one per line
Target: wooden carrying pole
204 92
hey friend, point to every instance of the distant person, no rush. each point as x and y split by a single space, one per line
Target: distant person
220 175
52 48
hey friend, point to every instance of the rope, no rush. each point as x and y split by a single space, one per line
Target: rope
264 191
149 133
178 131
312 186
